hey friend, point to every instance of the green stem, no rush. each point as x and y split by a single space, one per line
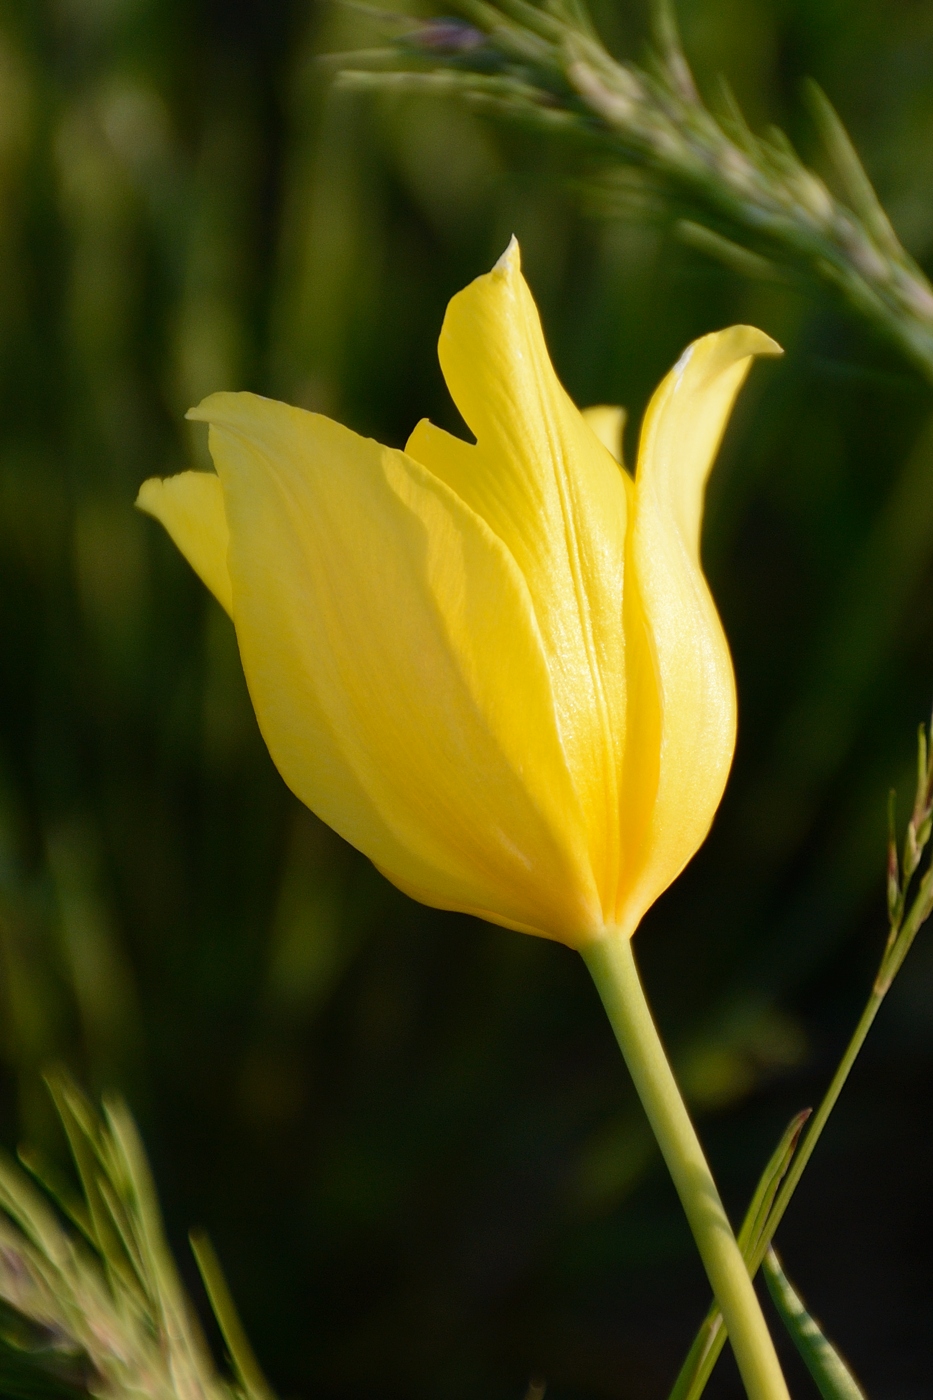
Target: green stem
899 945
612 966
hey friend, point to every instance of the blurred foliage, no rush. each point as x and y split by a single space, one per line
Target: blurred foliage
93 1283
749 200
408 1134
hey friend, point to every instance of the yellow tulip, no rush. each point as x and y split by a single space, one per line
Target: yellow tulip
495 668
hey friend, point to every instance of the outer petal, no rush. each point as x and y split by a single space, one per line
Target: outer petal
396 668
191 507
551 492
681 679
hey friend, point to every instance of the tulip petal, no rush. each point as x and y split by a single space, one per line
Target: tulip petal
191 507
397 670
680 674
551 492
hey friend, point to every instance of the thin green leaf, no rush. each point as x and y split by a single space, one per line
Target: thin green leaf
28 1209
673 61
833 1378
167 1295
895 899
923 767
245 1366
733 121
701 1358
573 13
81 1130
855 182
731 255
61 1191
756 1217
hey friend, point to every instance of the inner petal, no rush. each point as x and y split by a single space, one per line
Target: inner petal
552 492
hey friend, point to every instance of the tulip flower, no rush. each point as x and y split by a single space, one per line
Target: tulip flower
495 667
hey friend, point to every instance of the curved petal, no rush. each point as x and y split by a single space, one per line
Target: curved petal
681 677
191 507
551 492
396 668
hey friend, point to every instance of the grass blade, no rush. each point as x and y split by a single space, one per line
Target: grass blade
833 1378
245 1366
774 1173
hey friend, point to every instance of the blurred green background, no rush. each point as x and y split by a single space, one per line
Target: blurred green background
408 1134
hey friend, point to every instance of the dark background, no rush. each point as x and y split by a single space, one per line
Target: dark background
410 1135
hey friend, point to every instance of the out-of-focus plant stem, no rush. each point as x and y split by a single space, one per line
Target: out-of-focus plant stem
612 966
751 200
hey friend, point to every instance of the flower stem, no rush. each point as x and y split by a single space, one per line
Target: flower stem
612 965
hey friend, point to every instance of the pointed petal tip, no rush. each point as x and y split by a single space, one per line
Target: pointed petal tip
737 342
758 342
719 352
511 259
